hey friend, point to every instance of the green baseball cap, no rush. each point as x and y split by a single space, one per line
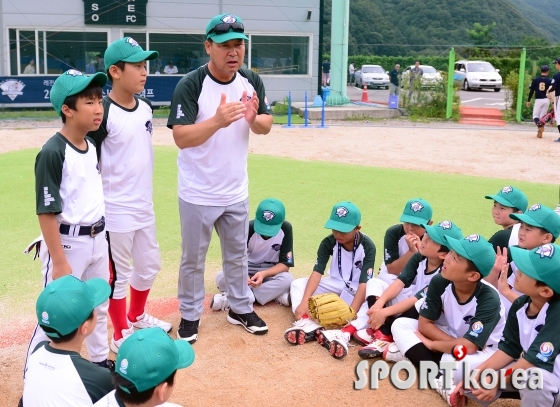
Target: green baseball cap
511 197
269 217
127 50
70 83
441 230
149 356
476 249
345 216
540 216
541 263
417 211
225 27
67 302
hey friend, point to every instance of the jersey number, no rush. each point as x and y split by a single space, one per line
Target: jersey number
542 86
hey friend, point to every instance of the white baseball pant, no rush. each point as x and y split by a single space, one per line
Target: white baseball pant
540 108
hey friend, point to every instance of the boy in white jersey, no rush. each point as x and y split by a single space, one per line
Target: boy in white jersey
57 376
353 257
384 299
69 198
539 225
126 160
269 255
145 369
507 201
402 240
531 338
459 309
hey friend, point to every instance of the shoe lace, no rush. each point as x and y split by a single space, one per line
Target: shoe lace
151 320
252 318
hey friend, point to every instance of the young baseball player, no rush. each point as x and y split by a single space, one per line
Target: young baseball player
353 257
270 256
126 160
69 198
507 201
531 339
539 225
56 373
539 87
384 300
401 240
555 88
145 369
459 309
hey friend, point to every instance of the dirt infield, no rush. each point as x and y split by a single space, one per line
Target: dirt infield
233 367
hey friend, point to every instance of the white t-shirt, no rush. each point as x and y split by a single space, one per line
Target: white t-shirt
170 69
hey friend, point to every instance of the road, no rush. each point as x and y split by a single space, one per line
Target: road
481 98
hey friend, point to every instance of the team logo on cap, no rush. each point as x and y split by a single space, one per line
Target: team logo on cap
445 225
268 215
507 190
535 207
132 42
229 19
546 250
341 211
45 318
473 238
416 206
124 366
74 72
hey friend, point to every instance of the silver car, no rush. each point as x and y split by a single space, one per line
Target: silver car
372 75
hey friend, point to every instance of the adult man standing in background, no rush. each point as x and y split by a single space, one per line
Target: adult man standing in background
395 77
351 71
212 110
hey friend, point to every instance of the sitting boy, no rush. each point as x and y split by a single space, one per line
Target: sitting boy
507 201
353 257
530 340
56 374
145 369
401 240
384 300
270 256
460 309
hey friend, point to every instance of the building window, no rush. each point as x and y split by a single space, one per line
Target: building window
178 53
279 55
75 50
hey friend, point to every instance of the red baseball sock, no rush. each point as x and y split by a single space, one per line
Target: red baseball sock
350 329
117 312
137 303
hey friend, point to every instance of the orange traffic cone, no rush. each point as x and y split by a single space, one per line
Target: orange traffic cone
365 95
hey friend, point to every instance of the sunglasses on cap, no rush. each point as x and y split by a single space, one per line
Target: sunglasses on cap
224 28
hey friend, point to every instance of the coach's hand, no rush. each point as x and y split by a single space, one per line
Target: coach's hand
252 105
229 112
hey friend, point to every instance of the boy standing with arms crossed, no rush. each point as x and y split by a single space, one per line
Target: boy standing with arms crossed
126 159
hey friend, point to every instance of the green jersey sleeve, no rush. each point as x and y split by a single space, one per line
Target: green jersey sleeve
500 239
485 317
48 176
410 270
97 380
369 259
544 349
422 293
433 305
391 243
510 343
287 246
324 253
184 102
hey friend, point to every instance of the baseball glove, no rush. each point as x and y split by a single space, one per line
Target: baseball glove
330 311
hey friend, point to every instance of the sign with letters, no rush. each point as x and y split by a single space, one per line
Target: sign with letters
115 12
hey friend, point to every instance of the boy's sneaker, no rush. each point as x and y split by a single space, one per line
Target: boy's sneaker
364 336
393 354
219 302
284 299
377 347
188 330
148 321
116 344
454 399
540 132
251 322
335 341
304 330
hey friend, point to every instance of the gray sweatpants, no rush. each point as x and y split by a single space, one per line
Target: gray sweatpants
270 288
232 225
548 396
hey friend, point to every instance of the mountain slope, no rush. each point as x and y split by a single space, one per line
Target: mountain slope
543 13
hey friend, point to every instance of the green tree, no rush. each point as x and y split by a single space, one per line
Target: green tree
482 34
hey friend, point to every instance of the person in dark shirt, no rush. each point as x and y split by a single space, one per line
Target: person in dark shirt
539 86
326 72
395 77
554 87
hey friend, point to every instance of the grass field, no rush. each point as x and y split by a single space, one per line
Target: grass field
308 190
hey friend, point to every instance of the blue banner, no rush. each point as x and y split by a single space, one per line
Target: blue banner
34 91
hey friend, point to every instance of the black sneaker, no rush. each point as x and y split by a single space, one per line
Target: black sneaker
251 322
188 330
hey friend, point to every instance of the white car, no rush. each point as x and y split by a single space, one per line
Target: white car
477 75
372 75
430 75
